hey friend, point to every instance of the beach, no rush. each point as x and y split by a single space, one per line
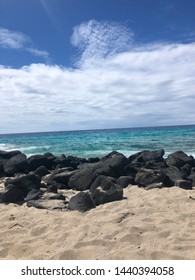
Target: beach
145 224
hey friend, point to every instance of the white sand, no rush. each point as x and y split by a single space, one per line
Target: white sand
153 224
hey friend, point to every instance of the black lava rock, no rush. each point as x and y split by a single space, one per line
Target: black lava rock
81 202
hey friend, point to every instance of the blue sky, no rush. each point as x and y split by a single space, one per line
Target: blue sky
84 64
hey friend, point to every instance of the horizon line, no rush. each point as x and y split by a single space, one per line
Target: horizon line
96 129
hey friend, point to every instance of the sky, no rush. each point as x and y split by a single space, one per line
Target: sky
96 64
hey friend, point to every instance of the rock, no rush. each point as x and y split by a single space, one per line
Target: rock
36 161
116 162
41 171
61 176
52 188
179 159
185 171
145 177
81 202
2 173
61 186
106 194
154 186
61 161
103 168
105 190
144 156
25 183
16 164
51 204
173 174
130 170
147 159
33 195
11 194
8 155
82 179
76 161
157 165
184 184
92 160
101 180
191 177
124 181
48 196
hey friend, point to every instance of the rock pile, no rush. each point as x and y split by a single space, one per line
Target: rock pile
68 182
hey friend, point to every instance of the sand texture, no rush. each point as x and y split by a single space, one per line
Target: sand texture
153 224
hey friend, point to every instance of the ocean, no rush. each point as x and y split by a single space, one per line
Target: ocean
98 143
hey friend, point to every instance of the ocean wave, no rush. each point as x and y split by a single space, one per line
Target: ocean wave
7 147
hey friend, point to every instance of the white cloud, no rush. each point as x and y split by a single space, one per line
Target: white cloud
16 40
100 39
145 86
11 39
37 52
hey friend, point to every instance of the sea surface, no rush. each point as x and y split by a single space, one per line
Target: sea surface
98 143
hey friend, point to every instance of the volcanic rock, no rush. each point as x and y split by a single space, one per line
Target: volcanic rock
184 184
145 177
25 183
11 194
81 202
179 159
16 164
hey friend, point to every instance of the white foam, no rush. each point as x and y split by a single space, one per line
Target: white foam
6 147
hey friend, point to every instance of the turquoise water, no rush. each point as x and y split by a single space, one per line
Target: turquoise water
92 143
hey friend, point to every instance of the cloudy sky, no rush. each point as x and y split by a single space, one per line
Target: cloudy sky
86 64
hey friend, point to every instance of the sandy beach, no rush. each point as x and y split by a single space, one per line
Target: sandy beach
153 224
